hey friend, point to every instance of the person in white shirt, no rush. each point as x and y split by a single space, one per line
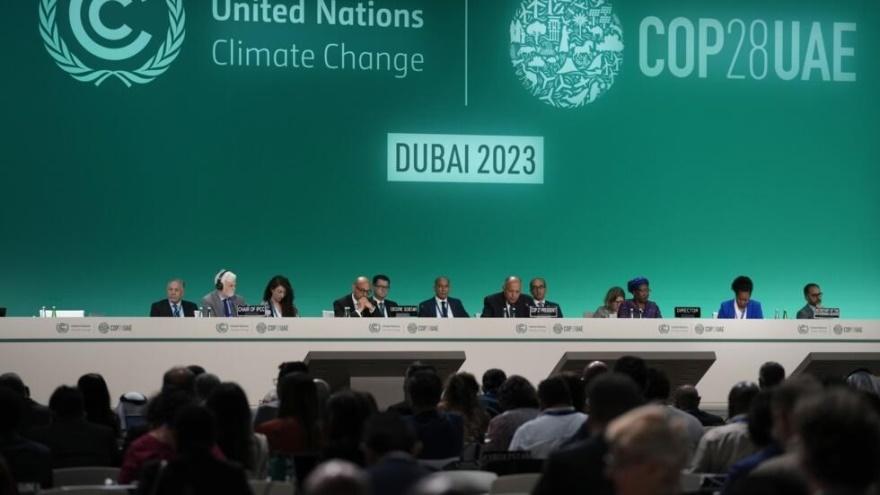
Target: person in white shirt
441 305
557 422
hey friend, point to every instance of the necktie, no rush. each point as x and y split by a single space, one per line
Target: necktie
382 308
541 304
227 307
176 310
443 309
508 311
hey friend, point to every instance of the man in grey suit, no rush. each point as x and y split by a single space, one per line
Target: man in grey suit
813 295
223 301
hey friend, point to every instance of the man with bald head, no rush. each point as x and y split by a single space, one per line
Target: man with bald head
441 305
174 306
357 302
538 289
509 303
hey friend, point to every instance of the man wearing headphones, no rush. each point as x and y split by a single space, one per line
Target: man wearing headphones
223 301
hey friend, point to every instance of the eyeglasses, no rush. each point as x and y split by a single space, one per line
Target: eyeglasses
817 294
381 286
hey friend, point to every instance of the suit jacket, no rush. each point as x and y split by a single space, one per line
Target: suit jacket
428 309
753 310
493 306
388 305
579 468
550 304
215 302
78 443
163 308
340 304
806 313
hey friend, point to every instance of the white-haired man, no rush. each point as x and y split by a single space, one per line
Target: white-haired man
223 301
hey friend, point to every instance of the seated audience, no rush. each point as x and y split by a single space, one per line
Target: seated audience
391 447
34 415
579 467
75 442
657 392
195 470
404 408
157 444
347 412
204 385
180 378
268 408
519 400
760 421
492 381
440 433
28 461
460 397
558 420
688 400
96 399
297 428
234 429
839 434
648 450
721 447
577 389
635 368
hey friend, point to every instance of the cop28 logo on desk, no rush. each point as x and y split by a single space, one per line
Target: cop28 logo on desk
112 56
566 52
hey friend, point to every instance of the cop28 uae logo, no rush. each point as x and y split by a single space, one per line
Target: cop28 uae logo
566 52
120 52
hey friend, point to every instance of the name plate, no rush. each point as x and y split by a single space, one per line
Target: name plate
403 310
826 313
687 312
253 310
535 312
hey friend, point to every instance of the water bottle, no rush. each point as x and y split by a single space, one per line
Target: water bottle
776 314
347 312
201 312
784 314
210 311
54 313
42 311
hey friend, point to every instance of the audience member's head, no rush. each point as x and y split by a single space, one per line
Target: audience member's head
66 403
658 387
576 389
771 374
647 452
424 389
179 378
96 396
740 398
611 395
417 366
196 369
492 380
553 392
298 398
864 381
785 398
337 477
194 431
760 419
322 388
634 367
162 409
388 432
460 394
591 371
686 398
289 367
205 384
229 404
347 412
14 382
840 441
10 411
516 392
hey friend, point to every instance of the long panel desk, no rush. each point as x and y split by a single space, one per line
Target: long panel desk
132 353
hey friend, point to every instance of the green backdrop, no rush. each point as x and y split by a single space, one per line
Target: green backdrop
108 191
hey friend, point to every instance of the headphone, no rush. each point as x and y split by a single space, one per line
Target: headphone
218 280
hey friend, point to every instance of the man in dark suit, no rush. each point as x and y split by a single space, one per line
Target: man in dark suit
509 303
441 305
75 442
28 461
174 305
538 289
34 415
381 286
358 301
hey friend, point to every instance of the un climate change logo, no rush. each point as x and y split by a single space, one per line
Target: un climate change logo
108 58
566 52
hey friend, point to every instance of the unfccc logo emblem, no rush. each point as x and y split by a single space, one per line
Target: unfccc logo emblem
106 46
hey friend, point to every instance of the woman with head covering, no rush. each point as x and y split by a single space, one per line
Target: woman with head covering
639 306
